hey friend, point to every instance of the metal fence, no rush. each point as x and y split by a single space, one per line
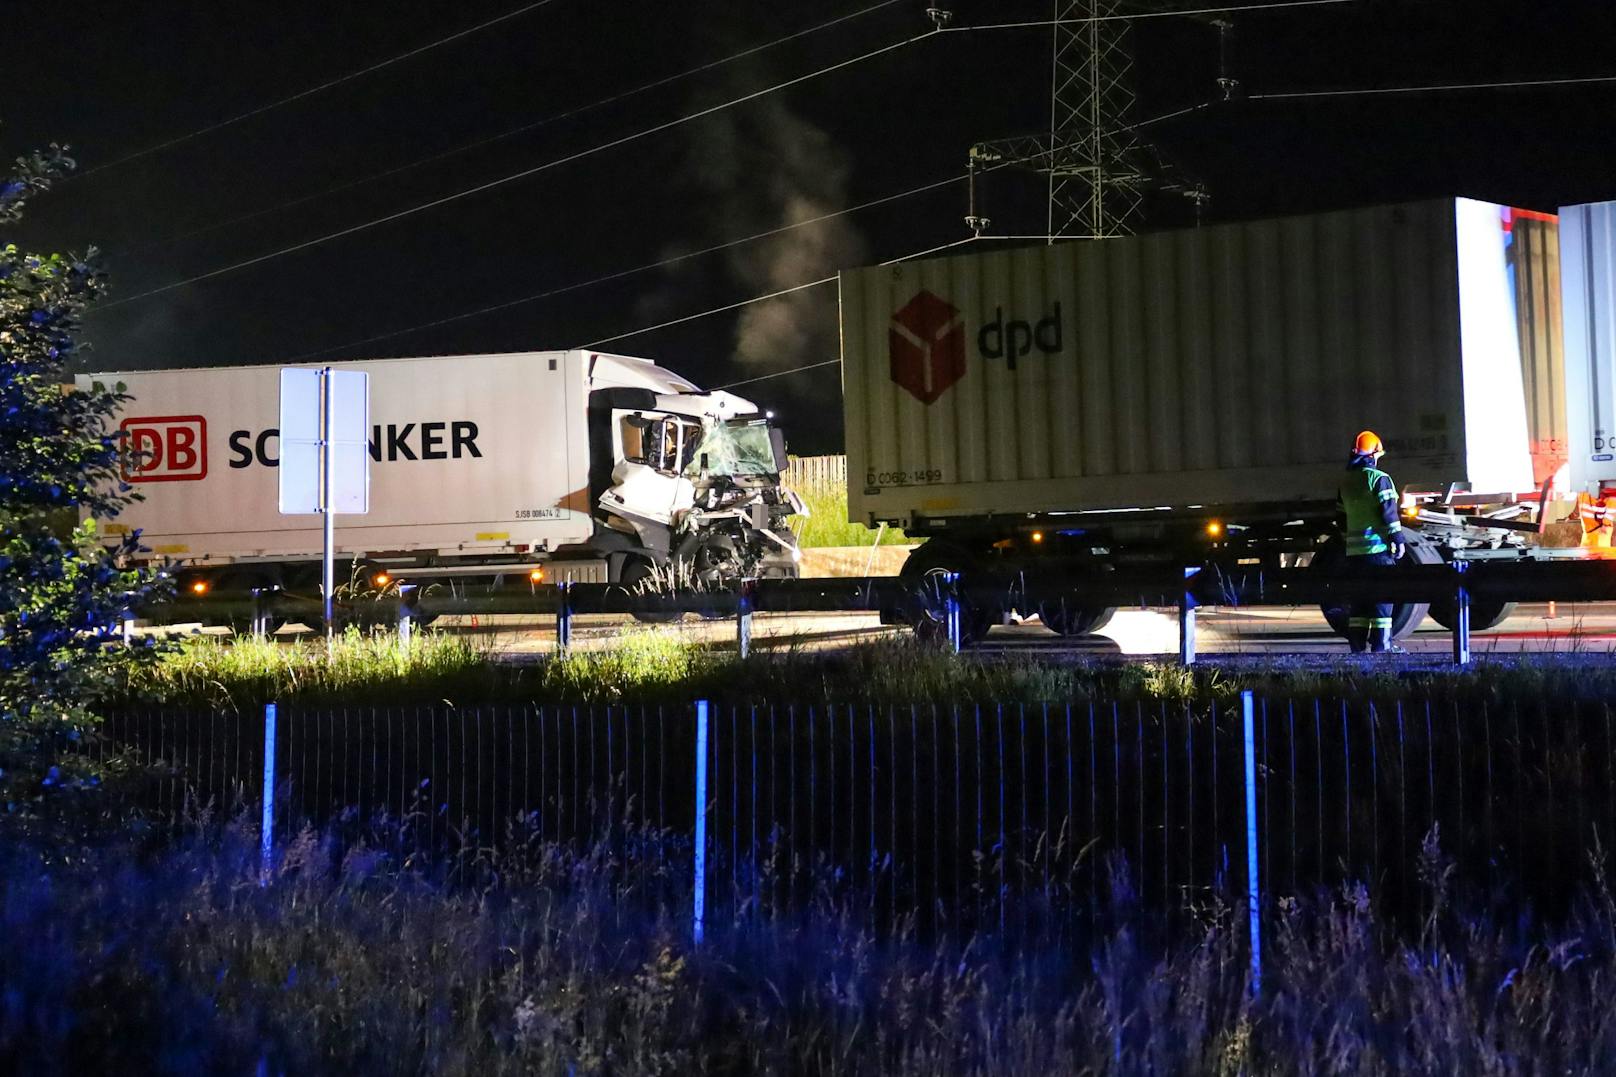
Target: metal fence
948 815
816 471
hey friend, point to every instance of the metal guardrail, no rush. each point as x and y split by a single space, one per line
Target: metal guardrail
1462 583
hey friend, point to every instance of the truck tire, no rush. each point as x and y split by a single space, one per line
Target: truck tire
637 571
1483 615
924 577
1406 616
1065 620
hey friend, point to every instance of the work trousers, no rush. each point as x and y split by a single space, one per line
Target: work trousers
1369 624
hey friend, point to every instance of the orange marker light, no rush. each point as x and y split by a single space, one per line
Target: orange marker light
536 576
1214 529
1038 536
200 587
382 579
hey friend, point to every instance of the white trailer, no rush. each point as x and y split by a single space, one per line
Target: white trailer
576 464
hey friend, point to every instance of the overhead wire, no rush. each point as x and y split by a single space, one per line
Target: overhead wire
515 176
764 298
1436 88
312 90
647 267
514 131
1223 9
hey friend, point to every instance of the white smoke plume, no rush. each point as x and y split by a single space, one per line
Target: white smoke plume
762 167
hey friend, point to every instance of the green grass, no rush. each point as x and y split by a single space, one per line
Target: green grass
827 523
653 665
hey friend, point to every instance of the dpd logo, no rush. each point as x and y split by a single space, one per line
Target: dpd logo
926 346
167 448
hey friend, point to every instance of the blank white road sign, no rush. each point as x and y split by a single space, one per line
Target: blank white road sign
301 463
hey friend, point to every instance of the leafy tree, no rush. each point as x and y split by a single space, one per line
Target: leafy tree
63 589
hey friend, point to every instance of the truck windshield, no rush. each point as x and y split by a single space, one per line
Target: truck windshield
735 448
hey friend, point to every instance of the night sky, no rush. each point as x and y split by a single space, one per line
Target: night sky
111 80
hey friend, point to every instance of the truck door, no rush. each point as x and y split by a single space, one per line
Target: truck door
648 487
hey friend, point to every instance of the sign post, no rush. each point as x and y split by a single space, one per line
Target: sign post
325 459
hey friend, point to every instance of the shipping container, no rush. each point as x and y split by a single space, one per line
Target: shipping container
1588 277
1227 365
471 456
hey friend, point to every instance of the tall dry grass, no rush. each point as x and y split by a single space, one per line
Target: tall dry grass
547 961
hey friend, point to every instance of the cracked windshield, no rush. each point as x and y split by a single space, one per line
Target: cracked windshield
735 449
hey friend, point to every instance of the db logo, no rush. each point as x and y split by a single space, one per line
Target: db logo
168 448
926 344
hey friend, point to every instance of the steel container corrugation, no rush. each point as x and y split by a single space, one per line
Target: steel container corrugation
1229 364
1536 261
1588 272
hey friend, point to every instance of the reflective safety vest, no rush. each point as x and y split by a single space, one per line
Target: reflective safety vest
1367 510
1597 516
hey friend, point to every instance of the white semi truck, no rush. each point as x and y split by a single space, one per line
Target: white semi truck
1047 413
534 466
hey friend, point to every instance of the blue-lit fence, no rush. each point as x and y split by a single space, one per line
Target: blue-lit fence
944 815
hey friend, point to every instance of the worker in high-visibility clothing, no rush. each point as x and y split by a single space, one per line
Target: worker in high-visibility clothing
1366 513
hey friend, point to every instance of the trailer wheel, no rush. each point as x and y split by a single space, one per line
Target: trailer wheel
925 577
1065 620
1483 615
639 576
1406 616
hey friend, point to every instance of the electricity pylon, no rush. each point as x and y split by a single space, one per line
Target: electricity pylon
1098 166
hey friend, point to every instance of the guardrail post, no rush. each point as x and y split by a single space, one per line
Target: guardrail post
1253 885
1461 616
699 878
564 616
260 611
406 613
1186 621
951 605
266 852
126 627
743 618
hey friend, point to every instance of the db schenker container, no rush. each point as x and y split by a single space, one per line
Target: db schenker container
591 467
1186 396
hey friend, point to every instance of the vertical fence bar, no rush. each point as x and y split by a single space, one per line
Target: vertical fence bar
1253 892
406 613
260 612
699 881
951 585
1186 621
266 850
1461 616
743 619
563 616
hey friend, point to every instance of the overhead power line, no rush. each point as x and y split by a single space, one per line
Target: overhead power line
621 274
763 298
514 131
312 90
779 374
1132 16
514 176
1438 88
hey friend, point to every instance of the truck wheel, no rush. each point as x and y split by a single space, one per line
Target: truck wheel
1483 615
1406 616
1066 620
925 578
639 577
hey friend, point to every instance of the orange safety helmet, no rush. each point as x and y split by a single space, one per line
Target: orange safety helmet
1368 443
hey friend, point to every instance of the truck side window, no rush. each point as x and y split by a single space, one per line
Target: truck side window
632 429
690 441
